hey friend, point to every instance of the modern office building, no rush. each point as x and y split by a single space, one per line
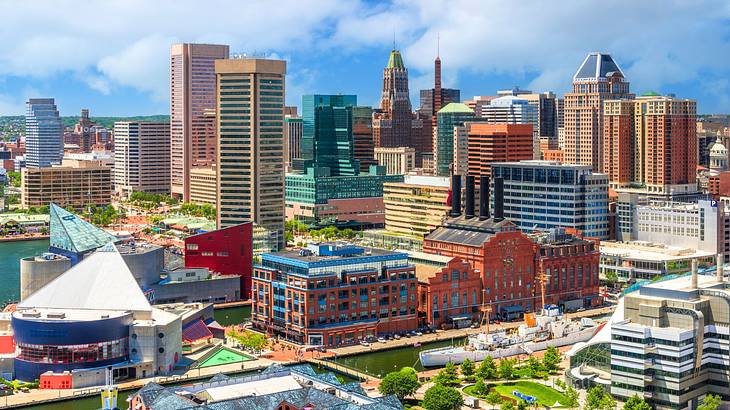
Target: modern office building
251 145
451 116
396 160
192 111
541 195
83 321
490 143
546 105
640 260
598 79
651 142
362 134
327 139
276 387
317 198
508 259
334 294
293 128
76 183
43 133
511 109
141 157
204 185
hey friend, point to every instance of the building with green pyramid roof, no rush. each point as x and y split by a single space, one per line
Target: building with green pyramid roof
72 236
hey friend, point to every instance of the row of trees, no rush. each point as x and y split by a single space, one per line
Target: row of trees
251 341
205 210
293 228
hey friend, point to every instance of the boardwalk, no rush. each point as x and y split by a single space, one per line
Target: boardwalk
337 368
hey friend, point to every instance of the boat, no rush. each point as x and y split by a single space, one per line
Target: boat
547 329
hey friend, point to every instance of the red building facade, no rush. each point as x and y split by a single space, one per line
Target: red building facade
334 295
228 251
450 295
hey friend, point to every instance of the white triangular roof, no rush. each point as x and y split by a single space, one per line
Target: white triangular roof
101 281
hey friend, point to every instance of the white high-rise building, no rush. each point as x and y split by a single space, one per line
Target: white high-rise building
43 133
141 157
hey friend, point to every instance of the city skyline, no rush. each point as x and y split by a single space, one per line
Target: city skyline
342 47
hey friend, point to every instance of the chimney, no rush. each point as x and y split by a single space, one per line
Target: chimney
483 197
694 274
469 205
498 199
720 263
455 196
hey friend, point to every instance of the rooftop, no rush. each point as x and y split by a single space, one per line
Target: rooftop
597 66
71 233
453 108
649 251
395 60
101 281
331 251
471 232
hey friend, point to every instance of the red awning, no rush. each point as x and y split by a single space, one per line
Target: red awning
196 331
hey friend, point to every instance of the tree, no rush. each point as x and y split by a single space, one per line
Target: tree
521 405
710 402
534 365
441 397
402 383
611 278
551 359
480 388
447 376
560 384
506 368
598 399
636 403
572 396
507 405
487 369
493 398
467 368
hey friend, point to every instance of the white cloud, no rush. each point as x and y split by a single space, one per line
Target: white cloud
126 43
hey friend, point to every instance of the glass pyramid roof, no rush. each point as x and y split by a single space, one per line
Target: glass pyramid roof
71 233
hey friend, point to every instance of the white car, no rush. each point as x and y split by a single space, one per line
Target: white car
365 343
381 339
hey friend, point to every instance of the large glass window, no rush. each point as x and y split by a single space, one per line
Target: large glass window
74 353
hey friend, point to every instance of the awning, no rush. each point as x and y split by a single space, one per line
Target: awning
461 317
196 331
513 309
215 325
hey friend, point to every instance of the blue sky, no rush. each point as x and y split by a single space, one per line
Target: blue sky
113 56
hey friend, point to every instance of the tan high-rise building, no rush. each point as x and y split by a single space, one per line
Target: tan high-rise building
204 185
77 183
192 111
141 157
396 160
651 141
250 95
598 79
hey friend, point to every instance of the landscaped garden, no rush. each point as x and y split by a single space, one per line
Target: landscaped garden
544 395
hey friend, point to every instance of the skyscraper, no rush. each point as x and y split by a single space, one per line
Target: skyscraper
490 143
43 133
192 111
510 109
250 152
651 141
394 124
85 131
598 79
327 139
362 133
141 157
432 100
449 117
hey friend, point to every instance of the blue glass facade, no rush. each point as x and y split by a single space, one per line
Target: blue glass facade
327 139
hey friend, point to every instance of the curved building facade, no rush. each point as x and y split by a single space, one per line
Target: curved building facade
36 272
54 341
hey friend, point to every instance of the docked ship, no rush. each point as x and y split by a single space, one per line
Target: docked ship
549 328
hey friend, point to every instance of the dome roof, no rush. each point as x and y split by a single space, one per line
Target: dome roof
718 149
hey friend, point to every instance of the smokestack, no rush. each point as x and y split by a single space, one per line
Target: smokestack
483 198
469 205
455 196
720 263
498 199
694 274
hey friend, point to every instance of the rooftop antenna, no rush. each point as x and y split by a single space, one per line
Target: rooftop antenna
438 43
393 40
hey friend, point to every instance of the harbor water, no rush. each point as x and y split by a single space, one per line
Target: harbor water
10 255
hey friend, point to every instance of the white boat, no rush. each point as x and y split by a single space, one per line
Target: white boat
549 329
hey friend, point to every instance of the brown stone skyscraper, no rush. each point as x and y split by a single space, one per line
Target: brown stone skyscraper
192 111
392 124
432 100
598 79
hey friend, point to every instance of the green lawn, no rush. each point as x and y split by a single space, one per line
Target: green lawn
546 396
224 356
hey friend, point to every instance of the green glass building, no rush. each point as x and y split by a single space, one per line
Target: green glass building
327 137
453 115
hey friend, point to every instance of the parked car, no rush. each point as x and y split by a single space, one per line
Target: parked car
381 339
419 333
364 343
396 336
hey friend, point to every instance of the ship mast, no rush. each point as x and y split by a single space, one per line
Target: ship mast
485 309
542 278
